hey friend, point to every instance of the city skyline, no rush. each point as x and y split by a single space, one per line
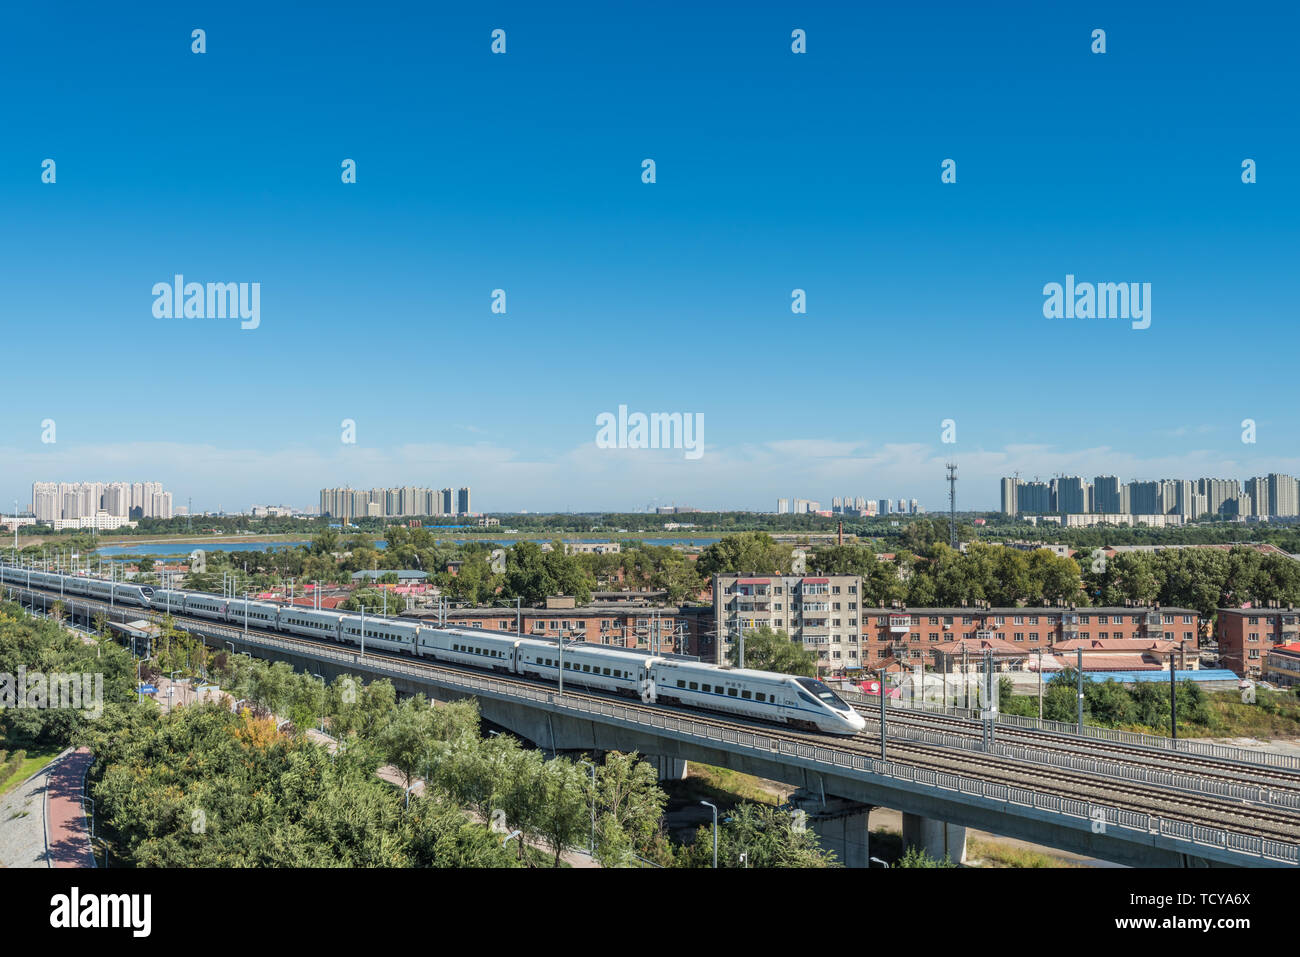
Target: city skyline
1275 495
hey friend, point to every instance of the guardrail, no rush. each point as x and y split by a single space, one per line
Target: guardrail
1157 742
1102 816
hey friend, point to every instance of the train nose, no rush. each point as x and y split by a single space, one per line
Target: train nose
857 722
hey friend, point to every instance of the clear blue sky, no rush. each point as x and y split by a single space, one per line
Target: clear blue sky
523 172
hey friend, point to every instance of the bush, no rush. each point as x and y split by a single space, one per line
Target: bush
10 767
916 857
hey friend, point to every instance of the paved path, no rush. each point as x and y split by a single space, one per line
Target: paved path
41 821
66 823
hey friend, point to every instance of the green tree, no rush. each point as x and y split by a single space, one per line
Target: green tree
765 835
768 650
408 739
629 806
754 552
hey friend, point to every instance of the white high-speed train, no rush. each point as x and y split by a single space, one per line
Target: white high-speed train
769 696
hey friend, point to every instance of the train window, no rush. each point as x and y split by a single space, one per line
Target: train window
760 696
694 686
707 689
745 694
586 668
732 692
680 683
606 671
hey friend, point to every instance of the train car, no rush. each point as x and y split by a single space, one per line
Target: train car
76 585
46 580
99 588
469 646
17 575
382 633
310 623
169 600
592 666
800 702
260 614
132 594
206 606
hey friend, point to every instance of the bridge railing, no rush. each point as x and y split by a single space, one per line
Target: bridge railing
1102 816
1181 745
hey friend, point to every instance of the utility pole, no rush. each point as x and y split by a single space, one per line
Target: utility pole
1040 687
1173 695
1079 689
952 505
882 714
988 700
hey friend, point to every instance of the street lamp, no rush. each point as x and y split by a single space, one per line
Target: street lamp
559 640
715 832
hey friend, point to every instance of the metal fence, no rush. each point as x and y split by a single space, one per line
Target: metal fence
1103 817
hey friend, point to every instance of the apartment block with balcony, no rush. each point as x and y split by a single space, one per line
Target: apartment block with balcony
820 612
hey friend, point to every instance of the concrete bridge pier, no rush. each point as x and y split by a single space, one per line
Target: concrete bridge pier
936 838
670 768
841 825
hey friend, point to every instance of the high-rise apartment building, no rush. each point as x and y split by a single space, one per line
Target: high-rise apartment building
1283 496
1106 494
402 502
69 502
1071 494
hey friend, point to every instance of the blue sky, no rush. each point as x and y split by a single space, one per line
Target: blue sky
775 171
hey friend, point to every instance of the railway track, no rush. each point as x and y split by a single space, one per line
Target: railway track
1206 811
1278 779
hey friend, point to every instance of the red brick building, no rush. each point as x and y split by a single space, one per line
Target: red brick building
623 624
1246 635
916 632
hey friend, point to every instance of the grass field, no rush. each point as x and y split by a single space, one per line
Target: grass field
705 782
36 759
989 854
